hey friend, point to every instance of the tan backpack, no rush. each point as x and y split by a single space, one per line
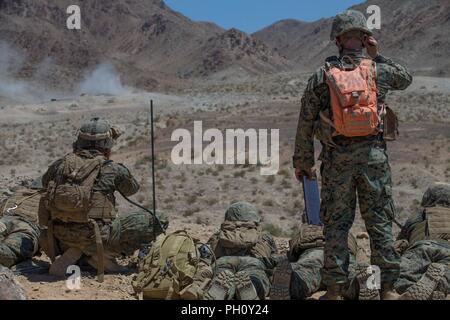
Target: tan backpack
23 203
438 219
69 196
169 267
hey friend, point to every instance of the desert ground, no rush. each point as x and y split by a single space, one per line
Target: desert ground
195 197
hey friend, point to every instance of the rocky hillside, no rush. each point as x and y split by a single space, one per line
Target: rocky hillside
414 31
236 48
148 43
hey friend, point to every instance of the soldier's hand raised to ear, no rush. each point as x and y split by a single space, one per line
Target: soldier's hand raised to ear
371 45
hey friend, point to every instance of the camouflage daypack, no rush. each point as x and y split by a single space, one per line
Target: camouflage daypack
69 196
169 268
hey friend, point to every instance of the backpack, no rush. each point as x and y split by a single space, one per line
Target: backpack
438 219
23 203
353 97
169 267
69 195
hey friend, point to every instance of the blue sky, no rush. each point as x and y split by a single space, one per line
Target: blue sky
253 15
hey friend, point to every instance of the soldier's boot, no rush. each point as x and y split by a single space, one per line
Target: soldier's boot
334 292
194 291
68 258
222 287
388 292
440 293
424 288
245 288
366 292
281 280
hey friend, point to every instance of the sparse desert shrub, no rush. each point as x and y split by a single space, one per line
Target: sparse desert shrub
268 203
189 212
270 179
286 184
211 201
191 199
239 174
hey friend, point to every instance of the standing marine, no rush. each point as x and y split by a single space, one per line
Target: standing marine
344 107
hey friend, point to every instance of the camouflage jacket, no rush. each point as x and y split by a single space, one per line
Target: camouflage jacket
113 177
316 98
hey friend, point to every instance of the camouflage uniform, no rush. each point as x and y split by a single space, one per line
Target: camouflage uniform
423 248
122 237
350 165
119 236
306 258
256 261
19 231
113 177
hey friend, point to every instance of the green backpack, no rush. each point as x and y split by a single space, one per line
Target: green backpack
169 267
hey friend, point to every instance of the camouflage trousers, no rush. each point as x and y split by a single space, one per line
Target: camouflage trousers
306 278
359 170
416 260
123 236
18 240
254 267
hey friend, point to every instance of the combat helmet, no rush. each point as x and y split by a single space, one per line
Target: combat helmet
242 211
438 194
348 21
96 134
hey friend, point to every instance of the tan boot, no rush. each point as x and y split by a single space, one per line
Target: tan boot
70 257
334 292
388 292
424 289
